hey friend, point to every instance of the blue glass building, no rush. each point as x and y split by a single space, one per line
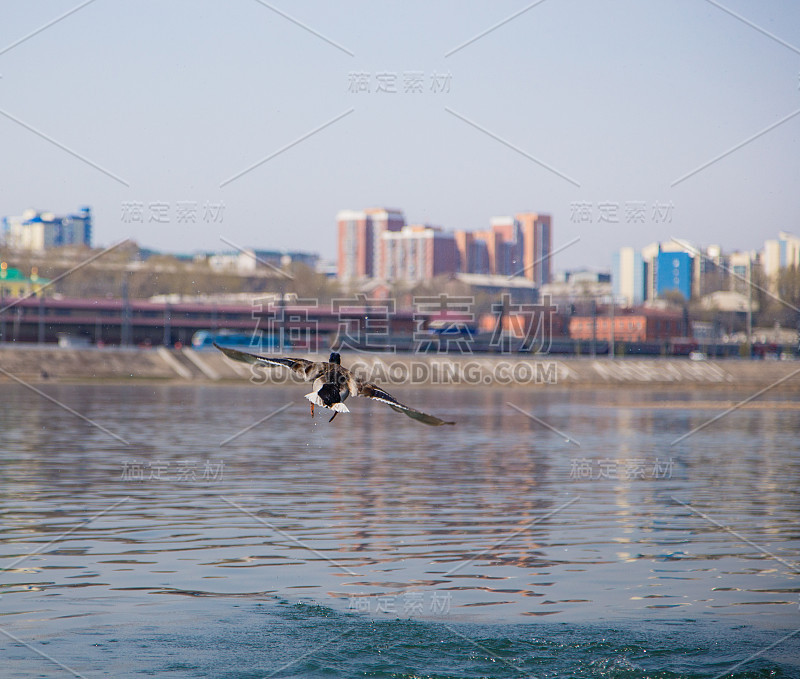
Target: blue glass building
674 272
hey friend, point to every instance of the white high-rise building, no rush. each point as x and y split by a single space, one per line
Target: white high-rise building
779 254
627 277
419 252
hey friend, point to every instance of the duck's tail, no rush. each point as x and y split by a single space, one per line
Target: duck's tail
317 401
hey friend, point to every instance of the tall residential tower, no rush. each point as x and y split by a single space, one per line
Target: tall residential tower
361 247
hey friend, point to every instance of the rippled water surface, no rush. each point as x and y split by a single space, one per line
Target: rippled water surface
220 531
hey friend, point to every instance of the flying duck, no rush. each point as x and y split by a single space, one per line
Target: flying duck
332 384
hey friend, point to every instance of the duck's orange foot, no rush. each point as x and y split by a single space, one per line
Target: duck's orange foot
312 410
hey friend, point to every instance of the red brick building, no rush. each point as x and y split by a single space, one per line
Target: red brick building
522 325
642 325
511 246
537 245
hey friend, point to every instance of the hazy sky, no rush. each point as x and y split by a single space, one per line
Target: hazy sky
597 101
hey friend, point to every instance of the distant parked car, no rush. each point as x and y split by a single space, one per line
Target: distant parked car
72 341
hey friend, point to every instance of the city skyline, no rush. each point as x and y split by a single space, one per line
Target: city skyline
513 246
268 118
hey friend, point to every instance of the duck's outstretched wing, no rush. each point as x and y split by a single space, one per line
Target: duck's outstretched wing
369 390
308 370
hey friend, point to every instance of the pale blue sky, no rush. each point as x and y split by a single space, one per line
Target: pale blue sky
624 97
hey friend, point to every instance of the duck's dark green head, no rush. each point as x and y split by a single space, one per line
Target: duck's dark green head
335 358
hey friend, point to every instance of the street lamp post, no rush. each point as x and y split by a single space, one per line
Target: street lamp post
611 347
2 314
749 309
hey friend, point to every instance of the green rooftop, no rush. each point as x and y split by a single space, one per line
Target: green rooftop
12 275
16 275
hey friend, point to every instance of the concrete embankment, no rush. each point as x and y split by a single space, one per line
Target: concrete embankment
47 362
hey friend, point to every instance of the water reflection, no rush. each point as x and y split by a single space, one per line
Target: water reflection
489 513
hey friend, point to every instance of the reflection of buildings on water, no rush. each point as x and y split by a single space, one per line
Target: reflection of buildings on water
469 478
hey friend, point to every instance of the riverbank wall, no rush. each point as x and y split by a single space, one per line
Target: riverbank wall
42 363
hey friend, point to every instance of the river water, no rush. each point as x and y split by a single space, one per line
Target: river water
221 531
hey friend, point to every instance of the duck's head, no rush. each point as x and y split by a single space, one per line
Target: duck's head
335 358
